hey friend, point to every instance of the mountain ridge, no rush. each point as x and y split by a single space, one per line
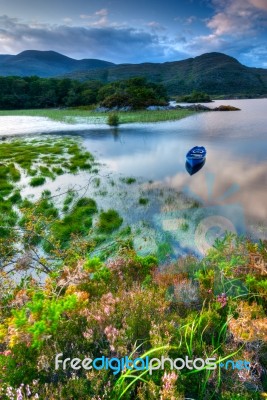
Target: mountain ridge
45 64
215 73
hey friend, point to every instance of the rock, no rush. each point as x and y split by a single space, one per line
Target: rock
102 109
125 109
197 107
226 108
157 108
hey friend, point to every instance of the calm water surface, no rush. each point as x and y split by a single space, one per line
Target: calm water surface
236 167
234 177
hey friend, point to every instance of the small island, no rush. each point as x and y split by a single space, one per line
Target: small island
195 97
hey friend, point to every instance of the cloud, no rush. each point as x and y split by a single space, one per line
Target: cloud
67 20
237 28
99 18
115 43
190 19
156 26
261 4
238 17
256 55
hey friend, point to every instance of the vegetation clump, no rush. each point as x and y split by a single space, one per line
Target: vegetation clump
127 306
128 180
113 119
143 201
77 221
109 221
195 96
37 181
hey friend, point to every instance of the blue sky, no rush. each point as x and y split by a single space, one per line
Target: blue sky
138 31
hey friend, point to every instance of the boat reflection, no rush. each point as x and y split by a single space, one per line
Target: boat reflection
194 169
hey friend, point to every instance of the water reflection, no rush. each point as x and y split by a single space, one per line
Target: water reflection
236 143
194 169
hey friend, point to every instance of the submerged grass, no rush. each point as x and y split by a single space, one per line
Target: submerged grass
38 160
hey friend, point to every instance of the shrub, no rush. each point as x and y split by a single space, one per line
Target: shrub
113 119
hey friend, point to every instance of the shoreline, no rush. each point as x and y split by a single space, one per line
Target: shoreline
76 116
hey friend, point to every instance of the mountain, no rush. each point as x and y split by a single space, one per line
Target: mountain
214 73
45 64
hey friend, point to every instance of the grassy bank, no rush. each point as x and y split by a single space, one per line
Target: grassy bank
74 115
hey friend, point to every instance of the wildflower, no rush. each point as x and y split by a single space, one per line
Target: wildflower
222 299
19 394
28 391
168 390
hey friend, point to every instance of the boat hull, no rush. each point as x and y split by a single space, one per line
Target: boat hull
194 169
193 162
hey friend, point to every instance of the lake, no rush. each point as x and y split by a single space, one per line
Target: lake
231 187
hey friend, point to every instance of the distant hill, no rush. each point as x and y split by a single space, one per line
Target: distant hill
45 64
214 73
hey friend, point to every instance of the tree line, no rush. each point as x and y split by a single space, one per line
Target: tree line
34 92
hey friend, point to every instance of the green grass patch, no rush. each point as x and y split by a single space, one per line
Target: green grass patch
143 201
73 115
109 221
128 180
37 181
78 221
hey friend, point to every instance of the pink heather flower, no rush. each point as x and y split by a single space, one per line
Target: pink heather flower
222 299
19 394
111 333
107 310
88 334
28 391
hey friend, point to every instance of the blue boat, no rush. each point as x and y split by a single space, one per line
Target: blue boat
196 156
193 170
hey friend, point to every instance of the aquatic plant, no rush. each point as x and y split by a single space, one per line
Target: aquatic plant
143 201
37 181
109 221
